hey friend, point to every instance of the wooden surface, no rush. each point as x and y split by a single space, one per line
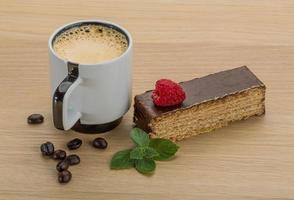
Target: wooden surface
180 40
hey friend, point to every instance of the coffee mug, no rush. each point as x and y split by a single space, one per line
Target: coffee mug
90 98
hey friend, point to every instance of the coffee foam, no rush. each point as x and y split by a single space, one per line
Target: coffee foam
90 44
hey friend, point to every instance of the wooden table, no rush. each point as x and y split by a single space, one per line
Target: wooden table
180 40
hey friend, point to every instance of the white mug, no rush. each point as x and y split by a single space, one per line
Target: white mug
90 97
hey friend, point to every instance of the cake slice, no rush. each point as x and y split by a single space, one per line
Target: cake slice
211 102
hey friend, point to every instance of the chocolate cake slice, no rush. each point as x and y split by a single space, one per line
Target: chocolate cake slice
212 102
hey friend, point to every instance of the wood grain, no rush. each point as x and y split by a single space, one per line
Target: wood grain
252 159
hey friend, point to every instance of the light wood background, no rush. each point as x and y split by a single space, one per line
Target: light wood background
176 39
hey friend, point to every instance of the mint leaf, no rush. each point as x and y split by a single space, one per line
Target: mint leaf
142 156
165 148
141 152
150 152
137 153
145 166
122 160
139 137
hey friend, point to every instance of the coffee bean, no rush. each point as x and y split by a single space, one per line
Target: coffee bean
62 165
73 159
100 143
64 176
35 119
59 155
47 148
74 144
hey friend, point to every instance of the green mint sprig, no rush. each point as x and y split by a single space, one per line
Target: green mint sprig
143 155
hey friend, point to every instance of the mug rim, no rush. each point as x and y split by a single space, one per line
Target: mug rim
91 21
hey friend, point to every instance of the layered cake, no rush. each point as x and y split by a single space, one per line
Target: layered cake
211 102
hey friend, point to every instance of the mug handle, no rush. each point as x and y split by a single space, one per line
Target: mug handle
64 117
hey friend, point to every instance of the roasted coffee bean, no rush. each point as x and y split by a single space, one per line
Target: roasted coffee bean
35 119
74 144
59 155
100 143
73 159
47 148
62 165
64 176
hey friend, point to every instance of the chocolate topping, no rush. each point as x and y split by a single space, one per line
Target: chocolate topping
198 90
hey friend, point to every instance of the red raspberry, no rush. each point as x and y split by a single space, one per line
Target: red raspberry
168 93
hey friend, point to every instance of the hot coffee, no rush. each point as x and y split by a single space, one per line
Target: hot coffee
90 44
91 75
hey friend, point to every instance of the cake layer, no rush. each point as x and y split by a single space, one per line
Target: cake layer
208 116
212 102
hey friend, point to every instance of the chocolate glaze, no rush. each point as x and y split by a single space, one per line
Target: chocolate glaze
198 90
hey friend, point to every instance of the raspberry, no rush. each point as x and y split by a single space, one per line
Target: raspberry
168 93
